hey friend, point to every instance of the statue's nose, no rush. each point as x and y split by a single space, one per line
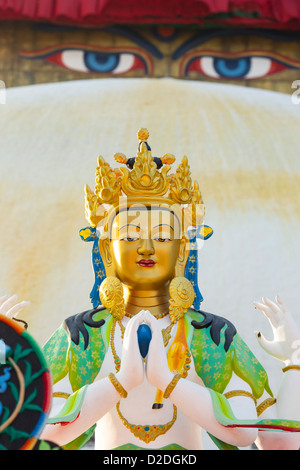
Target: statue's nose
146 247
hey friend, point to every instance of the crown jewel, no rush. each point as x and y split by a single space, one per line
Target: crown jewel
144 177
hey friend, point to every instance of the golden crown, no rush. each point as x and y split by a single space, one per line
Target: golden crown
144 180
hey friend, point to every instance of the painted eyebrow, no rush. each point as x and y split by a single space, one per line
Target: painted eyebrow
201 38
137 38
143 208
160 225
119 30
128 225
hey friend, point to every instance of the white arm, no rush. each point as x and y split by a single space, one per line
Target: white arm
193 399
284 347
195 402
101 395
93 408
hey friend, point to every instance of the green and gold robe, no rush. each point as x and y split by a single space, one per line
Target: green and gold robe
78 348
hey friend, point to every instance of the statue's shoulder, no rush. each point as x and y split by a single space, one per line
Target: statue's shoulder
82 322
219 350
213 324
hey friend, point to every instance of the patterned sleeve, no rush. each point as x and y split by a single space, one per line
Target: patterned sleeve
56 353
248 368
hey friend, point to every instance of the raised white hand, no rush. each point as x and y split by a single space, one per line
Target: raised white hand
9 308
131 373
285 345
157 369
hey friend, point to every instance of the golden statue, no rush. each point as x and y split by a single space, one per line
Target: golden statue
146 368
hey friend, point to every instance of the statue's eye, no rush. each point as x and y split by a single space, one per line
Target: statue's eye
89 59
130 239
250 65
162 240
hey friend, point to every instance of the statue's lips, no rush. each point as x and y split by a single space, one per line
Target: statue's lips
146 263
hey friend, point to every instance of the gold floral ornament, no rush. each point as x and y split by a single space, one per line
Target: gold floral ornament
91 206
186 192
108 183
145 179
107 191
111 296
143 134
197 206
181 189
182 296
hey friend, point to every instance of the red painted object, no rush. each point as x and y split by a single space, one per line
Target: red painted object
274 14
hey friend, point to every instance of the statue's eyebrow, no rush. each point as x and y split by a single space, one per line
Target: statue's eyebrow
160 225
203 36
142 208
137 38
128 225
119 30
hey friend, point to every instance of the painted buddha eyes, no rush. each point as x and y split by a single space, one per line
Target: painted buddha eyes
98 62
94 59
234 66
214 64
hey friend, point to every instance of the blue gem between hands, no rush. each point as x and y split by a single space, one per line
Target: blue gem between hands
144 338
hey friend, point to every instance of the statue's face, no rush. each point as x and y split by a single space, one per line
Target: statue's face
144 247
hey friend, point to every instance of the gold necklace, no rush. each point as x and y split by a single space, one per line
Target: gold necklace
148 432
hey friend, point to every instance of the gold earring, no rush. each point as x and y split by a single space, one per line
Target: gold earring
182 296
111 296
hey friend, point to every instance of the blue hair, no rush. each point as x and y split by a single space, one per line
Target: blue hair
202 232
90 234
